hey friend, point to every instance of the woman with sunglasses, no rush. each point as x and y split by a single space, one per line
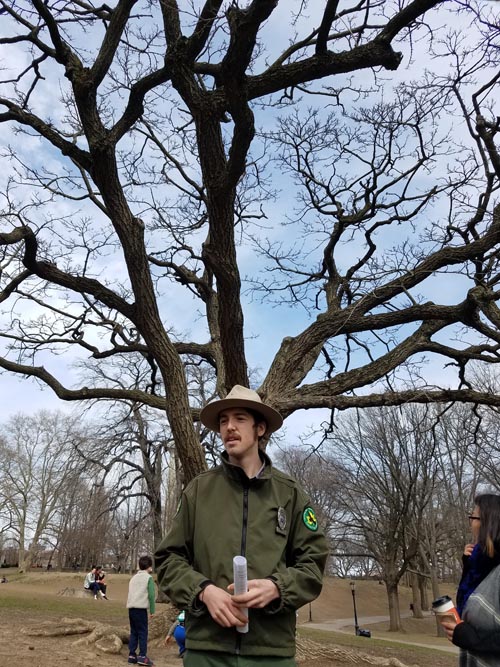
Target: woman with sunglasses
478 595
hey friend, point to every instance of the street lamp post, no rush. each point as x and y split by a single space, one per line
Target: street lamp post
353 591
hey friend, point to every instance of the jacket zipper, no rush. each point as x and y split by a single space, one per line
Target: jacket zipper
245 522
243 549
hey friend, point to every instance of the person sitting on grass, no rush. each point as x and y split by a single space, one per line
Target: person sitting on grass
91 582
101 580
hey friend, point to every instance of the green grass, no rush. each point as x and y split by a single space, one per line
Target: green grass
62 606
105 611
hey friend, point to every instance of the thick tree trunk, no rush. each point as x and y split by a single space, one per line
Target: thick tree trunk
415 593
394 612
435 594
146 315
219 250
424 593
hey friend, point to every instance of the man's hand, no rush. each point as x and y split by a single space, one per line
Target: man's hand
260 593
221 607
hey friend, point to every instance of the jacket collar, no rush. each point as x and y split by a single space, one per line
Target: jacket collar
238 474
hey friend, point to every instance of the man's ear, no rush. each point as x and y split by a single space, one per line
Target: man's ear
261 429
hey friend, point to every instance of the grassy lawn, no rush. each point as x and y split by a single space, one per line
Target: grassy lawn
38 596
61 607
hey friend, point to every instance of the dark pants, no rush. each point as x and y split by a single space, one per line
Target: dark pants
216 659
93 588
138 631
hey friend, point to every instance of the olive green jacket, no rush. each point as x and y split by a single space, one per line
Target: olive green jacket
267 519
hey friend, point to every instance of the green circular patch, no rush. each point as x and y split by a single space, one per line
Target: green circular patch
309 519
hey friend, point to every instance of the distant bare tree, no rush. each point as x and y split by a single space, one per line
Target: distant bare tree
79 538
321 481
386 459
38 469
130 533
323 484
460 447
129 450
484 459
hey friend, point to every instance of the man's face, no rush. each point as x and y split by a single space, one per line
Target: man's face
239 432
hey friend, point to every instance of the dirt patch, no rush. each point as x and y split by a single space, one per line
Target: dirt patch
34 599
42 651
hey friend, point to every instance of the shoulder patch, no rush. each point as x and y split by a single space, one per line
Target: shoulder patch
309 519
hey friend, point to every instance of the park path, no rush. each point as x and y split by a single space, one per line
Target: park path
342 625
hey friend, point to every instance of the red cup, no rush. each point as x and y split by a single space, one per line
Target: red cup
443 607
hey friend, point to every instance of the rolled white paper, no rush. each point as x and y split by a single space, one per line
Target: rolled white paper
240 583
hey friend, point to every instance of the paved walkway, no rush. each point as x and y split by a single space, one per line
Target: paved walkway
340 625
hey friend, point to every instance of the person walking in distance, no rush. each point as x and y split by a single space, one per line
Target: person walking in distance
141 598
244 507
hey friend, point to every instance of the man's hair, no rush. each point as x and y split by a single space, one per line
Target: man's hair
489 528
145 562
257 417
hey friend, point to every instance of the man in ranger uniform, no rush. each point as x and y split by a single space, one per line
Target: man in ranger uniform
243 507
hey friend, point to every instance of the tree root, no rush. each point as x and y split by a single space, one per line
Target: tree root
99 632
68 626
109 644
105 638
109 639
307 649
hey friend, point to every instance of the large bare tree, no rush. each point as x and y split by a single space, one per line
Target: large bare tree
38 472
138 167
130 453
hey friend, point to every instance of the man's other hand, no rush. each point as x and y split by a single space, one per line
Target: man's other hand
221 607
260 593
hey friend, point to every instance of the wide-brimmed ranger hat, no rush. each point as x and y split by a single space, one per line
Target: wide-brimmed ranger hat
240 397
